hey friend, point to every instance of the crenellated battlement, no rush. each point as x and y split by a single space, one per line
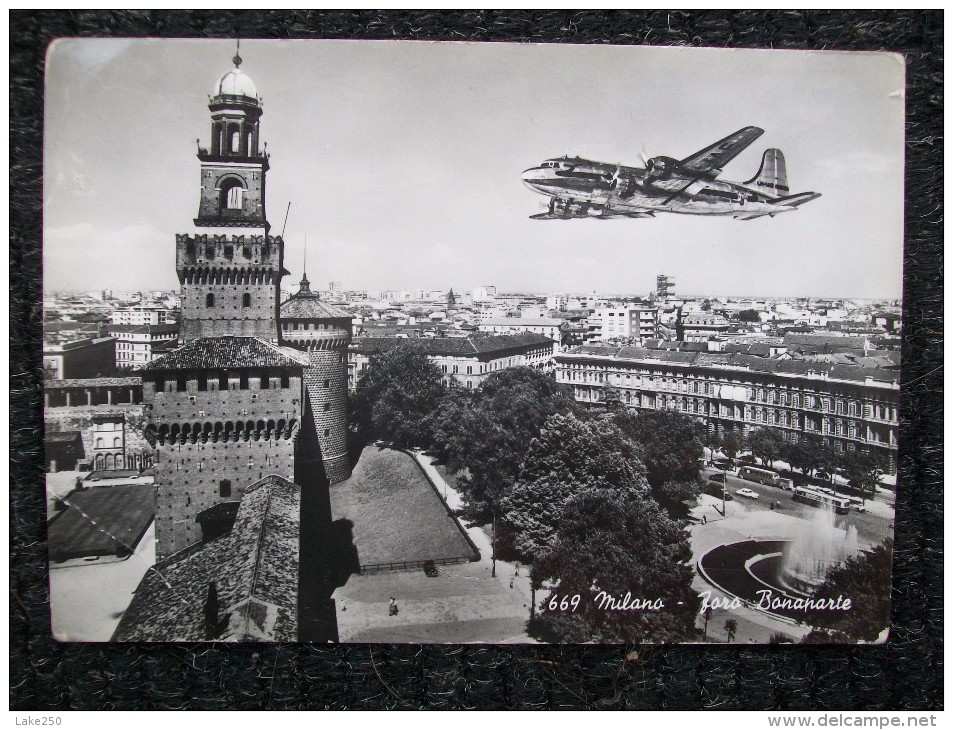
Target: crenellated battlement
235 251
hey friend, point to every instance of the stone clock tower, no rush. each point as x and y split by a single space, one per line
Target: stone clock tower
229 407
231 269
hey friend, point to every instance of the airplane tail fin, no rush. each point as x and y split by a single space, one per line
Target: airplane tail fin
772 177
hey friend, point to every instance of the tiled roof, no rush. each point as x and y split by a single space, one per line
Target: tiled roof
227 352
743 361
61 436
521 322
91 383
461 346
155 329
254 568
311 307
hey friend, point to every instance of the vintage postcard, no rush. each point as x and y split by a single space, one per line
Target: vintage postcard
519 343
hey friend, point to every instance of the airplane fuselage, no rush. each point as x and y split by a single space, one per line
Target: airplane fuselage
601 189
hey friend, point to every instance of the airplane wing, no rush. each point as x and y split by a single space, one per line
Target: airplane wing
603 216
712 159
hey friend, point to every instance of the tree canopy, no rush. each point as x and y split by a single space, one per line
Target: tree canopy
864 471
607 546
568 457
671 445
865 580
490 433
811 453
767 444
749 315
396 395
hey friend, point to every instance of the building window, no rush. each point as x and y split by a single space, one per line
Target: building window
246 300
327 383
327 407
285 381
225 488
327 432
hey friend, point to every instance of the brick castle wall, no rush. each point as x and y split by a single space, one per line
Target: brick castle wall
205 437
326 383
189 480
241 273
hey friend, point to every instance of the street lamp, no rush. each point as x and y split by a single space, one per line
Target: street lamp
493 573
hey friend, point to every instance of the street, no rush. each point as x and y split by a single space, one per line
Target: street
873 526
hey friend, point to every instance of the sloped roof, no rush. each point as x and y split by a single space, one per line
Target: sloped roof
745 361
154 329
521 322
462 346
91 383
61 436
254 568
310 306
227 352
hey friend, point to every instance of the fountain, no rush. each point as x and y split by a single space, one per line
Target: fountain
779 575
814 551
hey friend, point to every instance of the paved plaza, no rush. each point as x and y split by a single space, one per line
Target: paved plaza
464 603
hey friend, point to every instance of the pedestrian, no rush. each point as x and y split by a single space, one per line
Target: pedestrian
704 519
517 571
511 582
392 609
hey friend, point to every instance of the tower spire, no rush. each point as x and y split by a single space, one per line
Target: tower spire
305 287
236 59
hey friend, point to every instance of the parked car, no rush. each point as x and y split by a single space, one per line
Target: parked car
749 493
430 569
720 478
716 490
786 484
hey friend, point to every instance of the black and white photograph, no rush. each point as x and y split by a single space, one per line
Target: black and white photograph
520 343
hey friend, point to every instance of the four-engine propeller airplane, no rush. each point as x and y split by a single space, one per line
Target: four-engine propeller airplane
580 188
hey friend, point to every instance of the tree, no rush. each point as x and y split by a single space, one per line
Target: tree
731 443
396 396
671 444
865 580
749 315
766 444
569 457
494 433
606 547
864 471
450 424
807 453
731 628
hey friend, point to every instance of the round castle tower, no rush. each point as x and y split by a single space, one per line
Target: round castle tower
323 331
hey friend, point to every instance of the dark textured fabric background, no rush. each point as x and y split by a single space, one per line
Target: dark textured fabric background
906 673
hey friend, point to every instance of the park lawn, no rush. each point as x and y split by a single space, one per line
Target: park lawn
397 516
102 521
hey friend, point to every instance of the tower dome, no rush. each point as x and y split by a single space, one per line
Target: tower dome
236 83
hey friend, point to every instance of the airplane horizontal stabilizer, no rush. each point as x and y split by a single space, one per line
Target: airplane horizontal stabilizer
793 201
750 216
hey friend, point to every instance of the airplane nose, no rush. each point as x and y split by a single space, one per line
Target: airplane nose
532 176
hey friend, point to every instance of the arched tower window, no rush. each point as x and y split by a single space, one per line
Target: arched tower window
246 300
234 141
209 300
232 194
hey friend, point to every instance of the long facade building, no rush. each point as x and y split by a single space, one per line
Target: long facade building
468 360
853 407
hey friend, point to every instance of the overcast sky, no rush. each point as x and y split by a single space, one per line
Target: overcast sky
402 161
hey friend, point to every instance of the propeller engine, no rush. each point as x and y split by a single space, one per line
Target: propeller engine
659 168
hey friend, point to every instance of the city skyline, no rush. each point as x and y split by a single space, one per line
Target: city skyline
401 181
